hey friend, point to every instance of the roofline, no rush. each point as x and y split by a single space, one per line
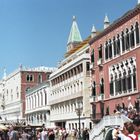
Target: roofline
129 14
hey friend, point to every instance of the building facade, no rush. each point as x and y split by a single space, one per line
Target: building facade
14 87
115 55
70 85
37 110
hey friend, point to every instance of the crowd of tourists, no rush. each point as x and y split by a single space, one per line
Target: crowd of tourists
41 133
130 130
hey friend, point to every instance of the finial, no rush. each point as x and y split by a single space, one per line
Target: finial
106 20
74 18
93 29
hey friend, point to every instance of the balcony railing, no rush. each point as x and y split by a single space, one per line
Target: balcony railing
91 65
99 62
101 97
93 99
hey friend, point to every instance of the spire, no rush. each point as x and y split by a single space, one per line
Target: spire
93 31
74 36
106 22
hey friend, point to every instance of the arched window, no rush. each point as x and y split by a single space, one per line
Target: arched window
102 86
132 40
123 42
111 86
134 78
39 78
110 49
119 83
124 88
137 33
129 80
100 52
106 50
116 83
127 39
118 44
114 45
92 56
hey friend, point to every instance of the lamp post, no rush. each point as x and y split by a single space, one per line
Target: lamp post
79 110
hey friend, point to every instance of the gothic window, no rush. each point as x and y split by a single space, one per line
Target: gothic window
137 32
127 39
29 78
39 78
100 52
111 87
119 83
129 80
92 56
123 42
102 86
110 49
134 78
114 45
106 51
132 37
118 44
116 83
124 88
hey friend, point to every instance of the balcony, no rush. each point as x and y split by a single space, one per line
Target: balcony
101 97
92 66
93 99
96 117
99 62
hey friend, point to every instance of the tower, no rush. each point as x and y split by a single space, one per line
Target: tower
74 36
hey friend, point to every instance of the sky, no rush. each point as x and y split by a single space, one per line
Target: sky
35 32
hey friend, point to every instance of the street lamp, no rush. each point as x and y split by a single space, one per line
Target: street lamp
79 110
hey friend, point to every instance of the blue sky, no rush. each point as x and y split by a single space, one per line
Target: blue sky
35 32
